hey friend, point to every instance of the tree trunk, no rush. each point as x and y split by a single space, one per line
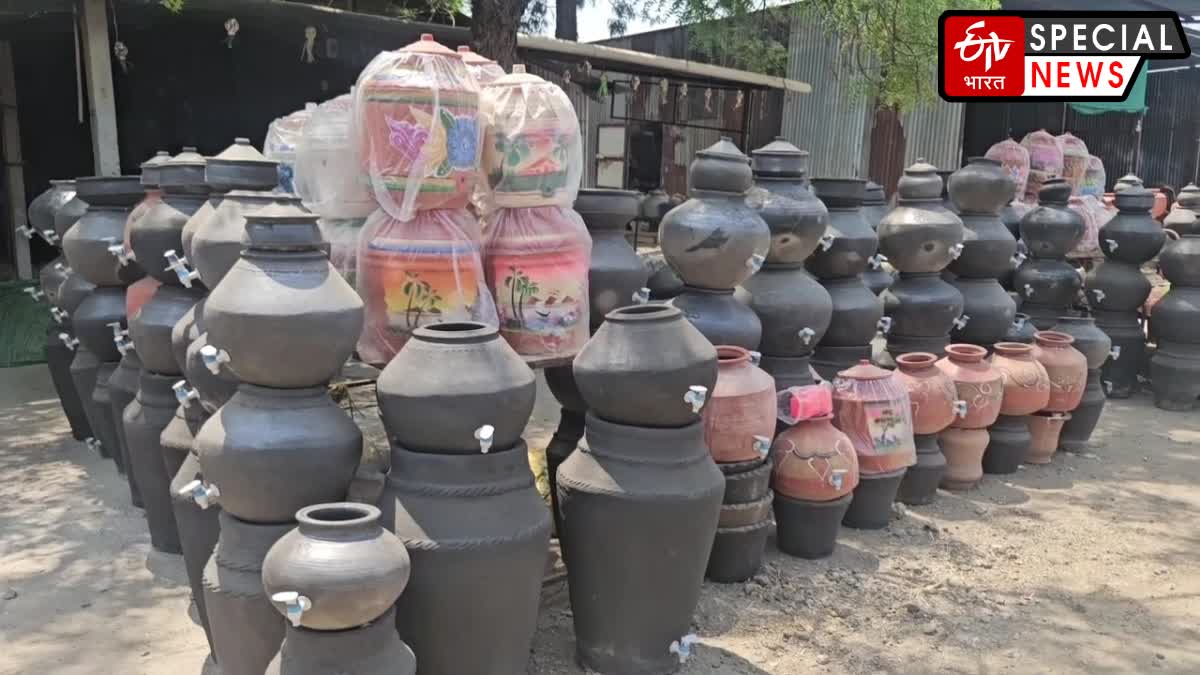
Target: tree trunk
566 25
494 25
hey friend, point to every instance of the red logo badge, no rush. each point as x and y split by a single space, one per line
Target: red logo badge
983 56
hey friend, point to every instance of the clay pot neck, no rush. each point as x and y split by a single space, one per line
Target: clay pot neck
255 396
706 291
243 545
644 445
342 521
456 333
644 314
915 362
1013 350
1052 339
703 193
964 353
732 358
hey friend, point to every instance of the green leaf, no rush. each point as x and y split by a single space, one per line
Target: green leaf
447 119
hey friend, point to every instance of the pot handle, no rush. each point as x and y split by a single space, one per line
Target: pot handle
1115 352
213 358
294 605
485 435
180 265
683 647
697 395
641 296
204 495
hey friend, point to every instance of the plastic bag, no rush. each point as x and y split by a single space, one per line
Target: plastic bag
532 149
871 406
342 235
1015 160
329 176
1094 179
483 69
536 262
417 272
416 118
1045 161
1094 215
283 135
1075 160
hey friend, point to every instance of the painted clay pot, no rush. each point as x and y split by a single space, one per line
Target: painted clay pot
795 311
720 316
871 507
814 461
1078 429
739 419
161 230
122 389
102 225
217 241
663 485
615 272
874 204
1065 365
918 236
1008 443
717 238
982 186
373 649
271 452
988 248
855 316
1119 375
639 367
871 406
988 312
1050 229
282 314
921 480
808 529
483 69
1044 431
852 241
796 218
1093 343
977 383
963 449
1116 287
471 568
1026 383
151 328
145 418
1132 236
103 306
425 412
931 392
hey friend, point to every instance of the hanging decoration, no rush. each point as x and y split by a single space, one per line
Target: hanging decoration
637 82
665 87
122 54
737 104
566 76
603 86
683 92
231 30
310 42
708 99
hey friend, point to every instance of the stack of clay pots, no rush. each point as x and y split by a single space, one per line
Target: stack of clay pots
934 399
643 482
715 241
920 237
283 321
871 405
839 263
1067 369
1026 391
461 498
1175 325
1096 347
739 422
878 276
792 307
816 471
1117 288
1047 283
981 389
336 578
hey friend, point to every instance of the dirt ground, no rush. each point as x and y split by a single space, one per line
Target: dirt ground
1085 566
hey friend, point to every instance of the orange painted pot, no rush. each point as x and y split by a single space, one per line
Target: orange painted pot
1066 367
1026 383
871 406
814 461
739 419
977 383
1044 431
930 391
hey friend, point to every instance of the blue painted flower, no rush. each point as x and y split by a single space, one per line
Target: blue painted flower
461 140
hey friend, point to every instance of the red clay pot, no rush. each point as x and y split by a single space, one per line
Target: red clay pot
1026 383
1066 366
964 457
930 391
1044 429
871 406
814 461
977 383
739 419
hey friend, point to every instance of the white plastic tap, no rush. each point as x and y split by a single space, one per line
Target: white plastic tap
755 262
806 335
960 409
35 292
1115 352
184 393
213 358
180 265
962 321
70 342
485 435
204 495
956 251
641 296
294 605
696 395
762 445
884 325
683 647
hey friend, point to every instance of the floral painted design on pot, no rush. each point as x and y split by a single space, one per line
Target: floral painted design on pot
1065 365
814 461
931 392
739 419
1044 429
871 406
1026 382
980 385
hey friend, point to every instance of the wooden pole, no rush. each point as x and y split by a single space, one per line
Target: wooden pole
14 171
102 106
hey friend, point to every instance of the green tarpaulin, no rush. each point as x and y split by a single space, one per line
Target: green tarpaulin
1134 103
22 326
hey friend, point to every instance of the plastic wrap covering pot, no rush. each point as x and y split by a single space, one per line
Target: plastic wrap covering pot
145 418
874 204
921 480
872 407
963 449
1050 229
1132 236
246 629
271 452
1183 217
1047 288
919 236
483 69
373 649
851 240
794 309
1026 382
106 432
1119 374
329 176
922 305
70 212
58 357
615 272
983 186
1180 261
1175 374
122 389
739 419
1116 287
988 248
83 375
424 411
87 242
931 392
856 313
1008 442
341 560
476 532
282 315
152 326
652 490
217 242
198 527
1078 429
103 306
720 316
988 312
641 366
1092 342
1065 365
977 383
796 218
161 230
417 117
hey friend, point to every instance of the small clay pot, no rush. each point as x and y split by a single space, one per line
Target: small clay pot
1008 443
737 552
1065 365
872 505
739 419
807 529
964 454
931 392
921 481
748 484
1044 431
977 383
1026 383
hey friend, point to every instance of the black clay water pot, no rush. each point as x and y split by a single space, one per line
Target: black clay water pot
145 418
628 495
980 187
1048 288
1182 218
1176 317
151 327
829 361
849 240
106 433
83 374
856 313
716 239
1050 229
1116 287
271 452
198 529
59 355
246 628
796 218
874 204
919 236
160 230
615 272
215 388
1084 418
794 309
640 366
988 312
1119 374
185 330
1021 330
878 276
70 213
1179 261
1132 236
1011 220
476 531
737 552
1008 441
282 315
988 248
788 371
73 291
425 411
921 305
51 276
808 529
217 242
720 317
87 243
43 207
1175 374
122 388
921 480
871 507
373 649
1092 342
93 317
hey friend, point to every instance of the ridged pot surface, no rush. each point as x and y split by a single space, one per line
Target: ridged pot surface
793 308
151 328
814 461
713 239
720 316
424 411
739 419
977 383
856 313
1026 382
931 392
91 319
1065 365
922 305
988 248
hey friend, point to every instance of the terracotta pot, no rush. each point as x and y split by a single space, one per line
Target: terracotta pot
739 418
1092 342
1085 417
871 508
1022 330
1026 383
1182 217
930 391
988 248
1065 365
122 389
103 306
814 461
920 305
746 481
198 529
871 406
977 383
988 312
1044 430
144 419
963 449
160 230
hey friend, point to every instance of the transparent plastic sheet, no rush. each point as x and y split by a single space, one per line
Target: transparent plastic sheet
417 272
329 176
1015 160
416 119
342 235
803 403
283 135
1045 160
484 70
1075 160
532 148
1094 215
877 416
1094 179
536 264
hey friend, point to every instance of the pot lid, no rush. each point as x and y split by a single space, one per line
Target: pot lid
921 181
427 45
780 158
151 168
1126 181
865 370
241 166
873 194
283 226
1134 198
1054 191
1189 196
183 172
109 190
70 182
188 157
516 77
724 149
159 158
473 58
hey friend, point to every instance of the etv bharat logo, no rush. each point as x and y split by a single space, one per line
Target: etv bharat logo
992 48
